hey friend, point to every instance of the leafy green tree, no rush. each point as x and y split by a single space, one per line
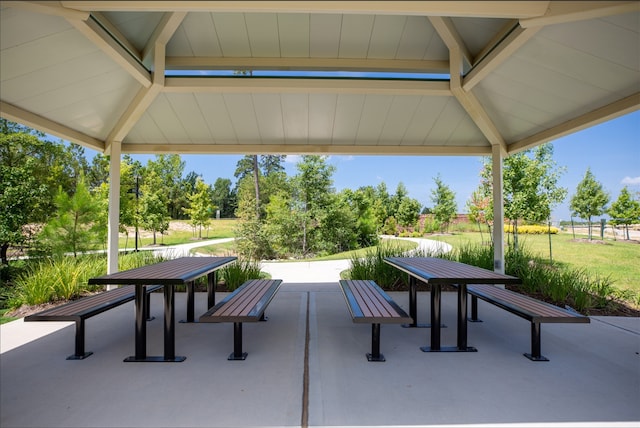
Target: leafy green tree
200 207
397 198
624 210
76 226
480 210
31 170
153 213
314 187
445 208
408 212
529 185
589 200
170 169
224 197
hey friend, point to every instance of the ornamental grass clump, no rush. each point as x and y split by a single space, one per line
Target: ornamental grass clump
235 274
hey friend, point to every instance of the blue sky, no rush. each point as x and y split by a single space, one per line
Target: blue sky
611 150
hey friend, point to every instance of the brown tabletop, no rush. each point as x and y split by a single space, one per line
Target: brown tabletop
436 272
169 273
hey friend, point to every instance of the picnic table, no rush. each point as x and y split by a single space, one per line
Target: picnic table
181 271
438 272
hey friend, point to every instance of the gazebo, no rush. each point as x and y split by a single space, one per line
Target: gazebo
487 78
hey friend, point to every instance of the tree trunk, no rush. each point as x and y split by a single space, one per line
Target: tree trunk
256 184
3 254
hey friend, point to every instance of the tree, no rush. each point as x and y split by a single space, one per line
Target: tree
314 187
76 226
169 169
408 212
153 214
590 199
530 185
444 198
200 206
31 170
624 210
224 197
479 207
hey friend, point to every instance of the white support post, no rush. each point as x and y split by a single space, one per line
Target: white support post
498 210
114 209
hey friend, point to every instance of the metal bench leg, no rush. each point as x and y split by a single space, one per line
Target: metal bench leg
237 343
535 354
375 354
80 354
147 306
474 310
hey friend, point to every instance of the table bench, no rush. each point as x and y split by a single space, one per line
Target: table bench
246 304
368 303
536 311
79 310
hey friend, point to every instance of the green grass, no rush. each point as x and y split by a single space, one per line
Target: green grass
617 260
217 230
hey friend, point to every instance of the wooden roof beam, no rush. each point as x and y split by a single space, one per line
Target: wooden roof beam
303 64
484 9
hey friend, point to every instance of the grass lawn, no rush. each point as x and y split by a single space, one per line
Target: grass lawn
615 259
180 232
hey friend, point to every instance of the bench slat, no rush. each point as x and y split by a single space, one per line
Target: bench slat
368 303
246 304
89 306
527 307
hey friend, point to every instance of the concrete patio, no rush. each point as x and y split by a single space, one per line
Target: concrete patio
307 367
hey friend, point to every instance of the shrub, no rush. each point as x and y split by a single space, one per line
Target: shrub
531 229
235 274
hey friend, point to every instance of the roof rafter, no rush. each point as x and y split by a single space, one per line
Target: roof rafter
497 56
142 100
447 31
488 9
569 11
592 118
97 35
315 64
302 86
472 105
16 114
162 33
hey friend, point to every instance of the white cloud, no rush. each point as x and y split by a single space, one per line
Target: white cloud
633 181
292 158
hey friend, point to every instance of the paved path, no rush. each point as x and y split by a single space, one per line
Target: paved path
329 271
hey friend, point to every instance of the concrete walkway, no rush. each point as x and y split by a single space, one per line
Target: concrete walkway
307 368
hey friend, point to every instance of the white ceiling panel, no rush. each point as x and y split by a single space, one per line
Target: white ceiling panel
243 117
423 119
232 34
347 120
77 81
268 108
294 34
190 116
295 116
322 115
385 36
263 34
216 116
325 35
355 36
374 115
